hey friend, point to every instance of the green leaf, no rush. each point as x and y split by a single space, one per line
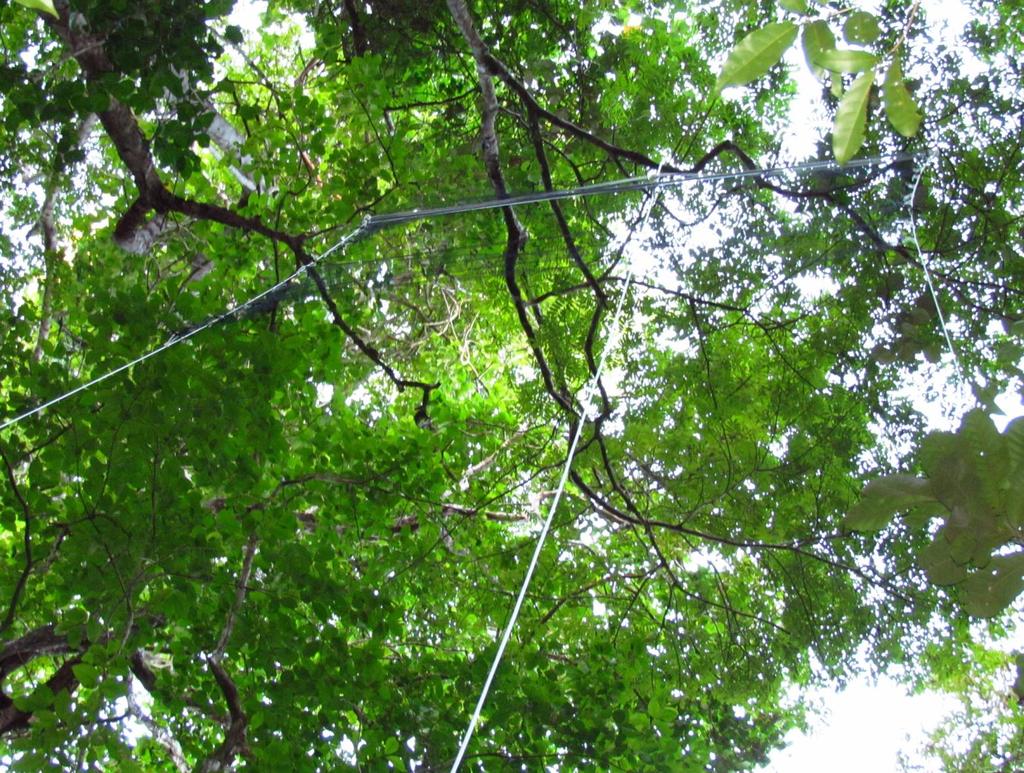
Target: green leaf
919 516
1015 441
46 6
851 118
368 552
900 107
87 675
40 698
817 39
757 53
233 34
989 591
861 28
845 60
937 450
938 562
796 6
1011 487
882 498
75 617
836 86
980 432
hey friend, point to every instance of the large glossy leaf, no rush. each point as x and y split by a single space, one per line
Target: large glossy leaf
975 531
900 108
882 498
989 591
817 39
851 118
937 450
938 563
989 456
861 28
46 6
845 60
1014 434
1015 442
757 53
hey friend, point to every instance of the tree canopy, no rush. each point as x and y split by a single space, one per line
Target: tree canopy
290 538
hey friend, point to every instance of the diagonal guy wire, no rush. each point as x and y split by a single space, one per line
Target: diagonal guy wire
927 272
177 339
613 339
371 224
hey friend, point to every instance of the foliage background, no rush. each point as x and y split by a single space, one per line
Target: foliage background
281 546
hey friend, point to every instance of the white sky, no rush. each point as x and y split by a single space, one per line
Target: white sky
867 726
864 730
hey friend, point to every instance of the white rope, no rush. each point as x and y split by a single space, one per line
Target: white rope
927 272
177 339
666 180
375 222
587 396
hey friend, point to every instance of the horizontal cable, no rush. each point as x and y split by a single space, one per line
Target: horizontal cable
377 222
664 180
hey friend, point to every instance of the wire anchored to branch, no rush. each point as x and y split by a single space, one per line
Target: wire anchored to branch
378 222
177 339
577 433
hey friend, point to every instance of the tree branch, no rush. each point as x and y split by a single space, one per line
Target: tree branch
234 743
608 510
39 642
160 734
134 232
13 719
422 416
516 234
19 587
241 585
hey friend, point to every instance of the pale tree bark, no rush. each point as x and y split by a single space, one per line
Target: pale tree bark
224 756
51 245
147 219
160 734
149 213
220 131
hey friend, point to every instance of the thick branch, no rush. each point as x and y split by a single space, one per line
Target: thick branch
37 643
234 738
488 133
161 734
517 236
134 231
570 244
13 719
234 743
19 586
359 39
